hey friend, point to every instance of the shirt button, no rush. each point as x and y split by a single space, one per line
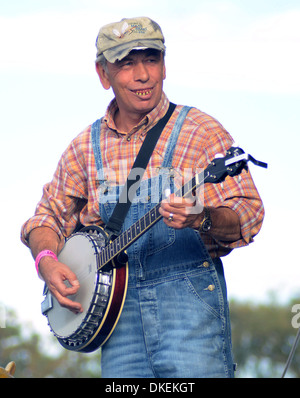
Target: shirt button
128 138
205 264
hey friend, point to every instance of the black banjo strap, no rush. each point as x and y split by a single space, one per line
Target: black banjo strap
135 176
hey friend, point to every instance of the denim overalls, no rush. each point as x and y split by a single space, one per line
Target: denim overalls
175 320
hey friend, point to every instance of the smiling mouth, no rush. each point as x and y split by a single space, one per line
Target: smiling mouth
143 93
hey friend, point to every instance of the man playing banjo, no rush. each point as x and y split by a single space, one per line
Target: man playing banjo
175 319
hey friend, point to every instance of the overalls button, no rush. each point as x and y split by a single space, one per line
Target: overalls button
211 288
205 264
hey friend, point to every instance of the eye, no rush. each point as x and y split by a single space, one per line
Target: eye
152 60
127 61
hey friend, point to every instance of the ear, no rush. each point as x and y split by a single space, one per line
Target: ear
164 72
103 76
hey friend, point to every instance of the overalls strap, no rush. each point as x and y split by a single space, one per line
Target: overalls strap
96 131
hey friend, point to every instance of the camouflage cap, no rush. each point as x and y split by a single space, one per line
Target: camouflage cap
116 40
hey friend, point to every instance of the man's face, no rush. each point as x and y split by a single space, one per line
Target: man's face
137 80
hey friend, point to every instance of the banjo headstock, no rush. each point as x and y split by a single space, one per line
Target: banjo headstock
232 164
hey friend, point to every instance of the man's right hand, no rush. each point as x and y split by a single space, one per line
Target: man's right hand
59 278
56 274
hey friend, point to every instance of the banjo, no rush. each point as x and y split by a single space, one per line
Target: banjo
100 264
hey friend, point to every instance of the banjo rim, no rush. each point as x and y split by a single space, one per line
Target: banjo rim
107 322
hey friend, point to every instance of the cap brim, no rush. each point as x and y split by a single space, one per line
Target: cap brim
118 53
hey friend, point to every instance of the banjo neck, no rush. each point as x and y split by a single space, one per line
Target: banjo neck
232 164
128 237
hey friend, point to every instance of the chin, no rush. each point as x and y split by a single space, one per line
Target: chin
147 106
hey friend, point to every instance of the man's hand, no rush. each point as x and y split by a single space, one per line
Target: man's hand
61 281
181 213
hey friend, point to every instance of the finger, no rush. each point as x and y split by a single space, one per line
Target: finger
64 285
179 215
66 281
168 216
177 202
71 284
173 199
63 295
66 302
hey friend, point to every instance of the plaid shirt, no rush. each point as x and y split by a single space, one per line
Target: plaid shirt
72 196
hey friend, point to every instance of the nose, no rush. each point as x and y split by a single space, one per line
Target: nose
140 72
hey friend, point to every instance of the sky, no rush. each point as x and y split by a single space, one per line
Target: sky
237 60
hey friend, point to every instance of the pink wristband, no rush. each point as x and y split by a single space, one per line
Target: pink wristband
41 255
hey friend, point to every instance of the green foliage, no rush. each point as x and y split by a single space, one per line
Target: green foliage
38 357
262 339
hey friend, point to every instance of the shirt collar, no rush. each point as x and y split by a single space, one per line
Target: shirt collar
146 123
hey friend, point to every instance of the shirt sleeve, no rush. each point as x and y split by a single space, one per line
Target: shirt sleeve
239 193
62 198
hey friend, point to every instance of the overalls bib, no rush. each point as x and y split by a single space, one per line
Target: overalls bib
175 320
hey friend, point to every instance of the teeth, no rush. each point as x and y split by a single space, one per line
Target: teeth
143 93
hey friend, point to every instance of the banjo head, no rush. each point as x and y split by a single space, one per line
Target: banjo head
83 263
102 294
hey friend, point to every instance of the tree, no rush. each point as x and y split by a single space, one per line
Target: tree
40 357
262 334
262 337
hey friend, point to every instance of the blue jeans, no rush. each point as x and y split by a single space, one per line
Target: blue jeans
172 327
175 321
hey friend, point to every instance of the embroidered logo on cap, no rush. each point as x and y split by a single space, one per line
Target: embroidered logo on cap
126 29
